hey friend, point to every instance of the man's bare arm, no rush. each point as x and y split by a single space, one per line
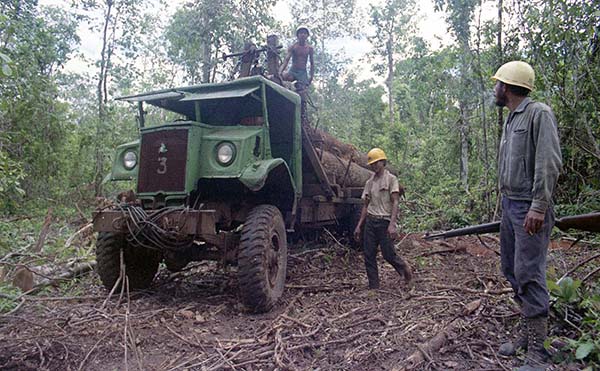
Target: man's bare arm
392 229
286 60
361 221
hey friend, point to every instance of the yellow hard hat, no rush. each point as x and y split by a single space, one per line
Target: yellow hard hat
374 155
516 73
302 27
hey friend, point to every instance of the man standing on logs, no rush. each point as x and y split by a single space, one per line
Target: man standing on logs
301 53
529 163
380 210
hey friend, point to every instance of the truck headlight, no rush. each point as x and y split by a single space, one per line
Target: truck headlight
225 153
129 160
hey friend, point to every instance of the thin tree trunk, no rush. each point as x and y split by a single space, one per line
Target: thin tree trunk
464 147
206 59
390 78
101 101
486 162
500 112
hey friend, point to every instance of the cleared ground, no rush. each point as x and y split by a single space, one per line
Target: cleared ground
327 319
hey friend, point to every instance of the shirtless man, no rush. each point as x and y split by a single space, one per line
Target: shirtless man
300 53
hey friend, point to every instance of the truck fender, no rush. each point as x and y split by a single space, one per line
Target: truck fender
255 175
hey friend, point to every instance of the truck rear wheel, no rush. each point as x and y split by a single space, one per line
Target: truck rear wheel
141 264
262 258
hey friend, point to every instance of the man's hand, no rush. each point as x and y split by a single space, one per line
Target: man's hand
392 231
533 222
357 233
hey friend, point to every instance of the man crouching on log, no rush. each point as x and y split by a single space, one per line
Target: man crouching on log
380 210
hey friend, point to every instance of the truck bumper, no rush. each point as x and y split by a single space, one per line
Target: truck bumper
200 223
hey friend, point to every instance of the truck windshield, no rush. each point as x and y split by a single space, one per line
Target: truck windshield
245 111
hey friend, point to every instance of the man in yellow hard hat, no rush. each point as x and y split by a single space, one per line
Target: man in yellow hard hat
380 210
529 163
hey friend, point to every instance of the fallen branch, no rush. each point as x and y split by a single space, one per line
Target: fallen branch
424 351
486 245
70 239
577 266
453 249
77 271
43 232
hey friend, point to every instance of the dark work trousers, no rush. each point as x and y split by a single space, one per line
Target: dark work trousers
523 257
376 234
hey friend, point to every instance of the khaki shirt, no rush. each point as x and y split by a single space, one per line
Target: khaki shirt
378 191
530 158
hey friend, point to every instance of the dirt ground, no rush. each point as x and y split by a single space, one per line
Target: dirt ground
326 319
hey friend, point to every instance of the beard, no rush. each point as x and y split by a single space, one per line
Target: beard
501 100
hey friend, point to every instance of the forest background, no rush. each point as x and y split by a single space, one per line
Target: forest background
430 108
433 114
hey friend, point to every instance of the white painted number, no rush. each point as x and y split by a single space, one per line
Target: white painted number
162 165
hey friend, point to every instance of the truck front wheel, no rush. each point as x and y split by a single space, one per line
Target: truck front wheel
141 264
262 258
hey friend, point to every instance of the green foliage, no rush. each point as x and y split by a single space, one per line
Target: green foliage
11 176
37 42
202 30
579 307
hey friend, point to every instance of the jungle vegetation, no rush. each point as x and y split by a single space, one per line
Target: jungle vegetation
430 108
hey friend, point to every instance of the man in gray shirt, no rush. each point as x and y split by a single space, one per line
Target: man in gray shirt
529 163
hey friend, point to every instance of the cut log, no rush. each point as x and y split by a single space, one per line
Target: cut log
329 143
343 172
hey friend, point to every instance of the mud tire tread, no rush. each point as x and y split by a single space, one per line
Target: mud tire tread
141 264
256 292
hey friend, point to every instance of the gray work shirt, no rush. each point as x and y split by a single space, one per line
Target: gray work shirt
530 160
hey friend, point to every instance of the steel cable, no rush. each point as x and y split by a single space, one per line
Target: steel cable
149 231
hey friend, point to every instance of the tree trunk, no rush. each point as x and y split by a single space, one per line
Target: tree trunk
486 162
500 121
206 62
464 148
390 78
99 167
343 172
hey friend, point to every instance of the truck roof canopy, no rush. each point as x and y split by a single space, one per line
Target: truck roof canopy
218 98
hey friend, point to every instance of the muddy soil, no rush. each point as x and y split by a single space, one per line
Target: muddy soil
326 319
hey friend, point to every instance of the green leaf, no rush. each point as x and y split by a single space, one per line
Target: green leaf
553 287
6 70
584 350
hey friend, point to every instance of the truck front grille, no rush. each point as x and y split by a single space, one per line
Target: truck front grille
163 156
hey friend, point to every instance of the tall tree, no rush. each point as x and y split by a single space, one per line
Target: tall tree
460 15
203 29
394 25
562 39
119 30
33 127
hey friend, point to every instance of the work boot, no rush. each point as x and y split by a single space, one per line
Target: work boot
510 348
407 274
537 357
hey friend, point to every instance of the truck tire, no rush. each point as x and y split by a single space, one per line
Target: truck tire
262 258
141 264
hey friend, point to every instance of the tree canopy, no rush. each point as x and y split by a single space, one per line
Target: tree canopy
430 109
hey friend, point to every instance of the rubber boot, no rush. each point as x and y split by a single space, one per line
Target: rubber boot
408 275
537 357
520 343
